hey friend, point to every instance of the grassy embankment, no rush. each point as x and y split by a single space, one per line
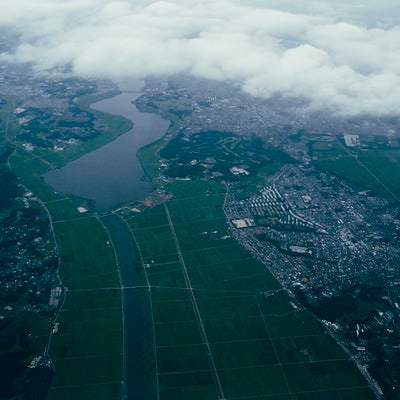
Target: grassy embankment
87 350
149 154
223 326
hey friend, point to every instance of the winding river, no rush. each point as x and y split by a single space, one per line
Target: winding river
112 174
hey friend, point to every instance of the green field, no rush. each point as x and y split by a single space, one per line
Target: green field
87 351
212 154
374 169
227 328
149 154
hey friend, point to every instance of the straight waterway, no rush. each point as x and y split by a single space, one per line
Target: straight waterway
134 307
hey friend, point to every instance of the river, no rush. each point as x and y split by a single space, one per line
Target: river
134 307
112 174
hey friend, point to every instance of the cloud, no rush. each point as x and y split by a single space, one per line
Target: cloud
335 54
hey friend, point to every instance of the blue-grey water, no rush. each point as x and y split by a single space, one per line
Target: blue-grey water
134 307
112 174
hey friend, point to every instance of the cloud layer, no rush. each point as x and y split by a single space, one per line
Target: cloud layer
333 53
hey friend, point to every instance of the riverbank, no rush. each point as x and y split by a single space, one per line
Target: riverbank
112 174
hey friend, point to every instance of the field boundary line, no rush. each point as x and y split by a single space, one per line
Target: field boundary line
149 288
195 306
290 392
122 308
272 396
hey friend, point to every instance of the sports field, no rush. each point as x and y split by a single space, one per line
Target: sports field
223 326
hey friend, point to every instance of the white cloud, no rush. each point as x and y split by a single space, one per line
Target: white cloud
351 65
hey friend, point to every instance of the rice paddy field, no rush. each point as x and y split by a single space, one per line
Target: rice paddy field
87 350
223 326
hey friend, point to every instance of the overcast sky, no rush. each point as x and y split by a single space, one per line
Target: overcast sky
341 55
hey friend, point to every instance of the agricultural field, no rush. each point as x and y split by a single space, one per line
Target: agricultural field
223 326
377 169
87 351
87 344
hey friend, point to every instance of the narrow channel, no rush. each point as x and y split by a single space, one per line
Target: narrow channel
134 307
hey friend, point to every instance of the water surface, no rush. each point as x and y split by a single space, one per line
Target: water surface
112 174
134 307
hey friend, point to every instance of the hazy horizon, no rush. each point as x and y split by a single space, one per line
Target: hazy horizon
341 56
